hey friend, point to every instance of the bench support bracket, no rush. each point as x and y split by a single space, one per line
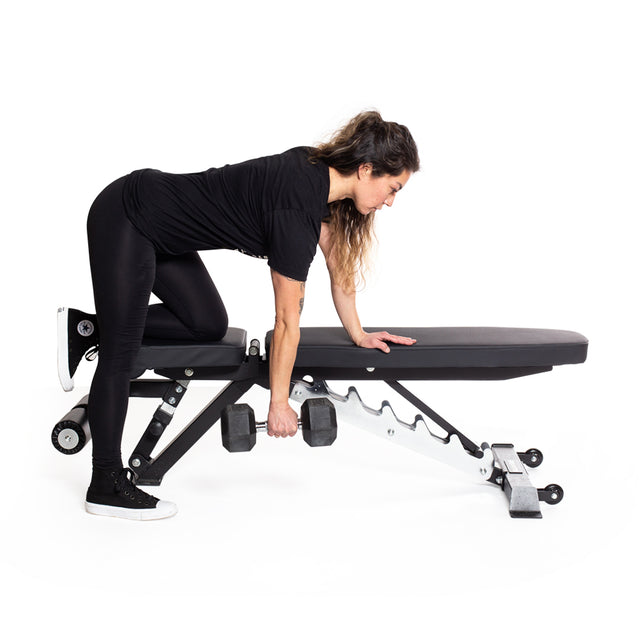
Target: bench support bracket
499 464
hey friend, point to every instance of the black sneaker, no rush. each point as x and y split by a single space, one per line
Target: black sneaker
77 337
112 493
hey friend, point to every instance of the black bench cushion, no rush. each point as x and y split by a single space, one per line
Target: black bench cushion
159 354
443 347
436 347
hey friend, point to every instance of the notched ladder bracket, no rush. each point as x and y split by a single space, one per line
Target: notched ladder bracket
498 464
384 423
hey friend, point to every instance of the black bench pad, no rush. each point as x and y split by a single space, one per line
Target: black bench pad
443 347
160 354
436 347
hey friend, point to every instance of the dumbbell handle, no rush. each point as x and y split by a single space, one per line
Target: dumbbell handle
262 426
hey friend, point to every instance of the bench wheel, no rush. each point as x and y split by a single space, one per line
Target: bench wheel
533 458
553 494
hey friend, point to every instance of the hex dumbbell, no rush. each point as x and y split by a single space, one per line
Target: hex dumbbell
317 421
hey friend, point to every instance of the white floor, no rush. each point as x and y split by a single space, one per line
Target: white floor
360 538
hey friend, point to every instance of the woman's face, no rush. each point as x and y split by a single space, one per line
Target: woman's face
372 192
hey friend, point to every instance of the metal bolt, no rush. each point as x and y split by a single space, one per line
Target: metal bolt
188 372
67 438
178 389
371 369
135 462
172 400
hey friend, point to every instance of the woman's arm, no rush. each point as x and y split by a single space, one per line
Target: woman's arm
289 300
345 304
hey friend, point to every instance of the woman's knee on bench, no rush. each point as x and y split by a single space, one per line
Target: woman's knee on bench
209 327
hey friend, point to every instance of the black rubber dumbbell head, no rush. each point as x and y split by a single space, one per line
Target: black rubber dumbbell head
319 423
238 426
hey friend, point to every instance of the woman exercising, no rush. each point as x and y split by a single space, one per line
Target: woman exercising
144 232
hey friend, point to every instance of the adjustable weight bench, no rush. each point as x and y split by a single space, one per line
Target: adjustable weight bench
326 353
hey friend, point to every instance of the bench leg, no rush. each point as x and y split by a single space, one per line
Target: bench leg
499 464
383 422
153 473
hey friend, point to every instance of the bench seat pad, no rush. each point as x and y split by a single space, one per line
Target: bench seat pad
161 354
443 347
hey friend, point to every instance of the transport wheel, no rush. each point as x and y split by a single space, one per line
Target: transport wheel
554 493
535 458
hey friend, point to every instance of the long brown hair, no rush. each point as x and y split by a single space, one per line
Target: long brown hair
390 149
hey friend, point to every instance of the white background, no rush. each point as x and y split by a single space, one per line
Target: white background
524 214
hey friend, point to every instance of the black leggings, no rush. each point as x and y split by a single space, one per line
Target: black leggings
125 269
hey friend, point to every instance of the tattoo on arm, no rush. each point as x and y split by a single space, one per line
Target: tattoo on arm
302 286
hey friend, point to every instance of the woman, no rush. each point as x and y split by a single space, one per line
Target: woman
145 229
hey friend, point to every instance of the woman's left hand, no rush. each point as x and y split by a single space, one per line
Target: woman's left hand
379 339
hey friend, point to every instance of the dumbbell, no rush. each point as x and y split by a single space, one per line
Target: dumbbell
318 423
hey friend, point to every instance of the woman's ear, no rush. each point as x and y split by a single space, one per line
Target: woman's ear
365 170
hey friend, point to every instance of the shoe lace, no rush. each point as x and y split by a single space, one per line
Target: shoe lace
124 484
91 354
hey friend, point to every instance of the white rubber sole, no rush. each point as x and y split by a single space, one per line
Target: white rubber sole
63 350
162 510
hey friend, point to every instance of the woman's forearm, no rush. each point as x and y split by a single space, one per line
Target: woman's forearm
284 346
345 304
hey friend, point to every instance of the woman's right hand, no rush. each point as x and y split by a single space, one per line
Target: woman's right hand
379 339
282 420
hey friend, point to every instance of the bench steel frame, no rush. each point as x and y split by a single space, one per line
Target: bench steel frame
498 464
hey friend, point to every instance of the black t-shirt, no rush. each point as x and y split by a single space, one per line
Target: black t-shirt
269 208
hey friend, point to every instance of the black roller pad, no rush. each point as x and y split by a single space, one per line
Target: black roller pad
319 424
